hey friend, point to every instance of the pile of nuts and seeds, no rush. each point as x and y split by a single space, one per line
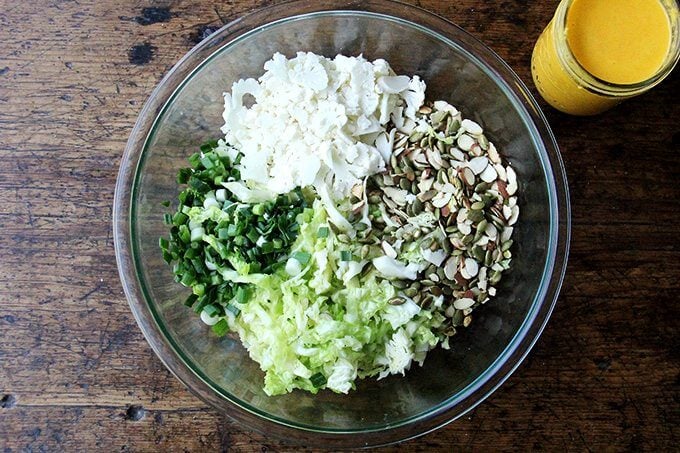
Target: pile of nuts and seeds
448 193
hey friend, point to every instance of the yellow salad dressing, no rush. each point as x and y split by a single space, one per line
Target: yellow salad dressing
620 42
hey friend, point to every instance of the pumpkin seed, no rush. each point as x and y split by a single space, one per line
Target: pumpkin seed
400 284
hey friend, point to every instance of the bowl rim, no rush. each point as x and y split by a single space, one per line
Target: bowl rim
171 354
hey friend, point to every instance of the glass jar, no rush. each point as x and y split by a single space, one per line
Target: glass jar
569 87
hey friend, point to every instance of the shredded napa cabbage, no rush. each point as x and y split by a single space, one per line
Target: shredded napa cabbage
295 329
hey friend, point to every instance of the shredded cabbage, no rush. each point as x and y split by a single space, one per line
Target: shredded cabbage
314 322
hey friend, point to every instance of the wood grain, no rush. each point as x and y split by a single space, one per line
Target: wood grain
76 373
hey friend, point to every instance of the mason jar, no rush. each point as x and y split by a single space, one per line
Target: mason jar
566 85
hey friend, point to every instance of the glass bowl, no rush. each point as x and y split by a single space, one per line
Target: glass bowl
186 109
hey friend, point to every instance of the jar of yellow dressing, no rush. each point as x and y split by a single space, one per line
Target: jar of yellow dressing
597 53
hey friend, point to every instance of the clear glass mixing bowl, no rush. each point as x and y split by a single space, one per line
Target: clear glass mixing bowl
186 109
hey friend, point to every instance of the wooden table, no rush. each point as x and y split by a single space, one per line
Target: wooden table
75 371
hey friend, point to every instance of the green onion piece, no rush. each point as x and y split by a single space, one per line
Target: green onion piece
163 243
187 279
184 234
190 300
235 310
199 289
183 175
165 203
223 233
251 254
345 255
242 295
198 185
211 310
302 257
190 254
167 219
232 230
207 163
198 265
221 328
209 146
185 198
323 232
195 159
167 256
258 209
202 302
253 235
318 380
179 218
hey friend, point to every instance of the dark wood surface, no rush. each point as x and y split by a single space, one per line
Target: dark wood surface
75 371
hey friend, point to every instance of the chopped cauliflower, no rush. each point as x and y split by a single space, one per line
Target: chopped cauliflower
315 122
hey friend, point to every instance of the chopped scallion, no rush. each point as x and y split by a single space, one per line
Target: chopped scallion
318 380
302 257
200 248
235 310
221 328
258 209
190 300
199 289
242 295
211 310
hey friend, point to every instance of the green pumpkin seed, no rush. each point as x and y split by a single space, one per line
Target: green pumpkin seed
453 127
417 206
478 254
415 136
488 258
400 284
457 319
396 301
410 292
405 184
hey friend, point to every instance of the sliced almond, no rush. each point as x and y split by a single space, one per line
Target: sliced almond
478 164
465 142
489 174
389 250
471 267
493 154
450 267
441 199
462 304
425 184
434 157
512 180
472 127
